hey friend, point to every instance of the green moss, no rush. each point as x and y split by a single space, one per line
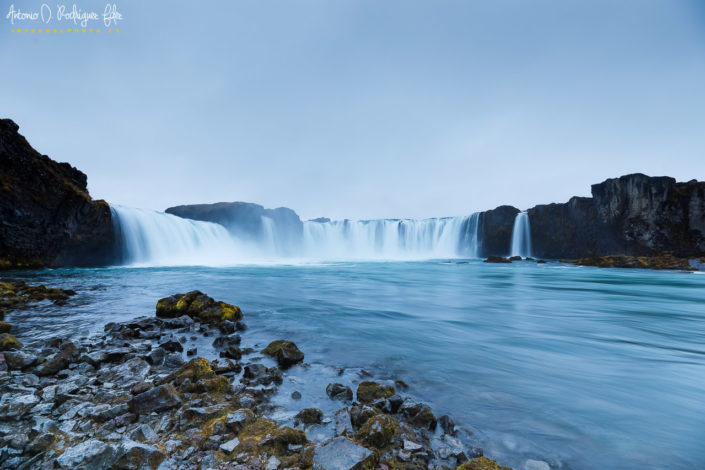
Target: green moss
377 431
9 342
368 391
482 463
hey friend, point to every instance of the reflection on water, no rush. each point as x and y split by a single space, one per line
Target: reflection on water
583 367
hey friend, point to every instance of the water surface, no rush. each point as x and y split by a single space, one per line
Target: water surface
585 368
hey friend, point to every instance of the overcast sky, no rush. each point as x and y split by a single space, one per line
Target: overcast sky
367 108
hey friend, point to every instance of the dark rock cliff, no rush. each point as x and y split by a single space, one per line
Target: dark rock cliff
249 221
495 230
633 215
47 217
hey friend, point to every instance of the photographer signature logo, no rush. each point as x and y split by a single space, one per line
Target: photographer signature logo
64 16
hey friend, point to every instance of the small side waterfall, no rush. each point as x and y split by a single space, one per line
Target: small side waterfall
521 236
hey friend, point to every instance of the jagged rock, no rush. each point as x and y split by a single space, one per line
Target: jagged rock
224 341
172 346
342 453
447 424
19 360
49 219
258 374
369 391
418 414
237 420
144 433
91 454
158 399
156 356
343 423
133 455
230 445
198 376
285 352
339 392
360 414
14 406
199 306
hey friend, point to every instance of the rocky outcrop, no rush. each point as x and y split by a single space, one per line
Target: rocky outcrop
634 215
47 217
495 230
248 221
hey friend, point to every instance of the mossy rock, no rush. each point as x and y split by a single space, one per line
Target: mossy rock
199 306
5 327
369 391
377 431
482 463
285 352
252 434
9 342
310 416
197 376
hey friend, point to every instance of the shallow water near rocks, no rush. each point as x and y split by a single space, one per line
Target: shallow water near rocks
584 368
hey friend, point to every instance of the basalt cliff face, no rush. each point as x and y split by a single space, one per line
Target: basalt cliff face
47 217
633 215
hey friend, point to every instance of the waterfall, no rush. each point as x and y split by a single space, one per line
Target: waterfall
404 239
521 236
154 238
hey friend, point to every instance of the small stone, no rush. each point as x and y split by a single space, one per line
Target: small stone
296 395
273 463
141 387
192 352
157 399
144 433
342 453
229 447
172 346
411 446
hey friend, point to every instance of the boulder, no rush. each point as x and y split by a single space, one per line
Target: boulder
285 352
5 327
199 307
19 360
9 342
340 392
309 416
378 431
369 391
91 454
158 399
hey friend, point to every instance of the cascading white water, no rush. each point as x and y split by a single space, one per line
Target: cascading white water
156 238
393 239
521 236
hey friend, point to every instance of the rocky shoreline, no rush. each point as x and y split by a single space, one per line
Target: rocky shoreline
139 396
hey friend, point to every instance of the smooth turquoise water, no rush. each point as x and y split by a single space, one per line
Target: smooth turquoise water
585 368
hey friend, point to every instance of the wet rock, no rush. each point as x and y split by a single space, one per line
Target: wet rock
418 414
94 358
197 376
225 366
172 346
339 392
198 306
232 352
258 374
285 352
447 424
497 259
133 455
342 453
296 395
183 321
310 416
41 443
9 342
360 414
5 327
173 360
378 431
158 399
91 454
369 391
192 352
224 341
227 327
156 356
116 354
342 423
19 360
